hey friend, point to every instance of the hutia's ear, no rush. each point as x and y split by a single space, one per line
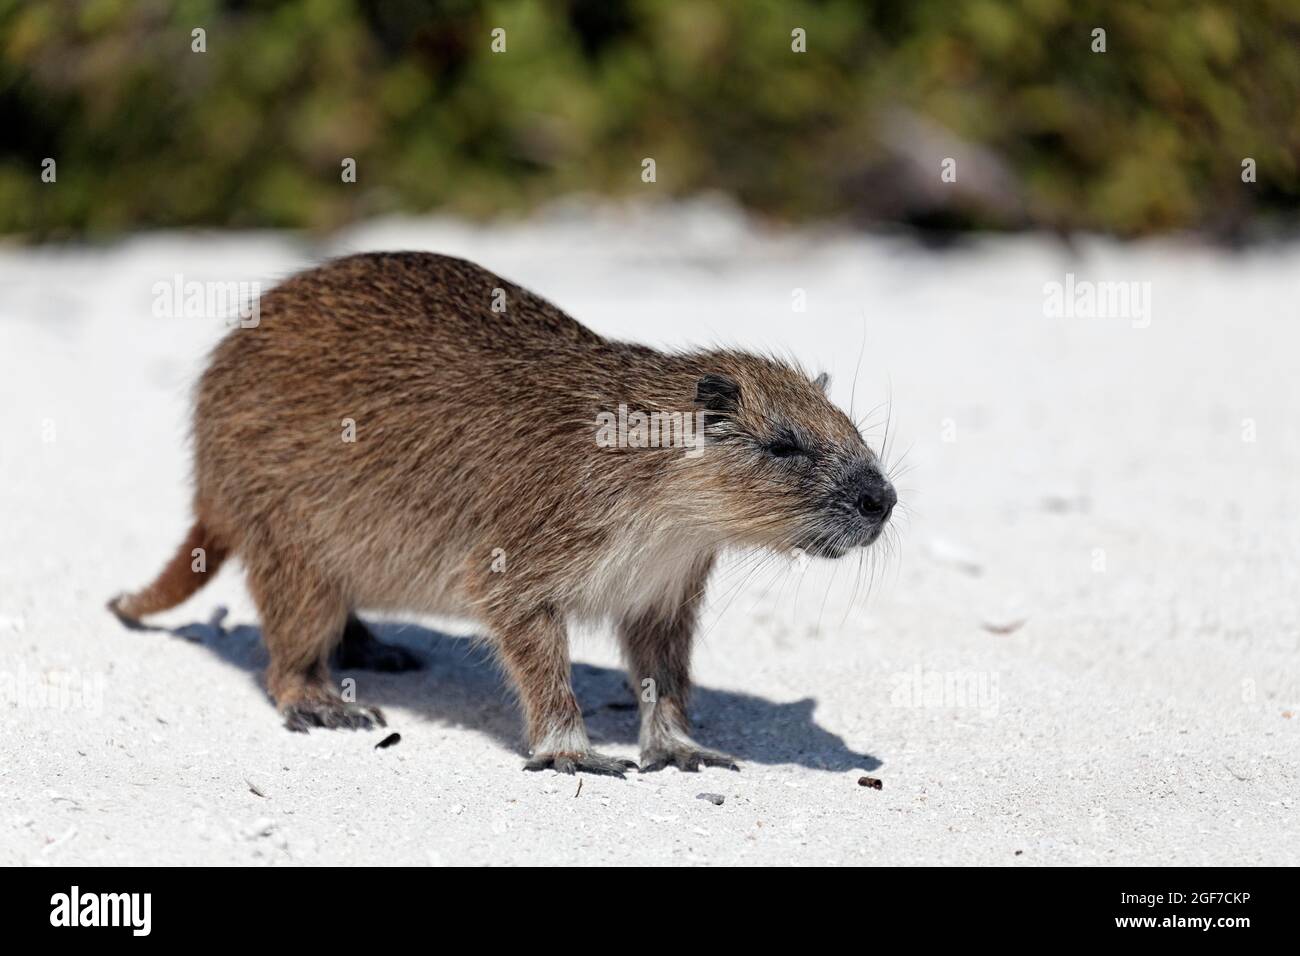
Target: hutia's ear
823 381
717 393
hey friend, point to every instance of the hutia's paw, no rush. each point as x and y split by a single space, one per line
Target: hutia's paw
331 713
686 757
587 761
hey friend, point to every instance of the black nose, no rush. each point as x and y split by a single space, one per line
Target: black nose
876 501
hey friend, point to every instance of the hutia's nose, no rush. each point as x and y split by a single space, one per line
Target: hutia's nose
876 501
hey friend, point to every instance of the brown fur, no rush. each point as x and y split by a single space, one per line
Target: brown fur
475 441
177 581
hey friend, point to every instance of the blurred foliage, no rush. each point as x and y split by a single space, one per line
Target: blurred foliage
1148 136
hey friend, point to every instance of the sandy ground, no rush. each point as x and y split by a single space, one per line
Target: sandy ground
1084 652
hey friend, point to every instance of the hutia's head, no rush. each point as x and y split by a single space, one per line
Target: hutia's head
785 468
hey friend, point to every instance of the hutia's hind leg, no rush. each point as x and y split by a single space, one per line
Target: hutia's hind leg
303 617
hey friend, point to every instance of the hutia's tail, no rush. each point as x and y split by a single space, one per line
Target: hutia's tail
197 559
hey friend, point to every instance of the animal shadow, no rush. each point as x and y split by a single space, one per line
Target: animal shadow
460 685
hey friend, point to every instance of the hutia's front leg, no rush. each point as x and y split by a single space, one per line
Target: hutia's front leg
665 742
536 654
657 645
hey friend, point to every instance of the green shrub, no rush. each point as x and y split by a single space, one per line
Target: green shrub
1148 136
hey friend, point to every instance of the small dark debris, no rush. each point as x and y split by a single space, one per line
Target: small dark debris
388 741
1065 503
1020 852
875 783
714 798
579 790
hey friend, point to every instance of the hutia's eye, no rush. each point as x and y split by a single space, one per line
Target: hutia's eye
785 448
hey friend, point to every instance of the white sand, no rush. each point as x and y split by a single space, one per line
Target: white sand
1096 478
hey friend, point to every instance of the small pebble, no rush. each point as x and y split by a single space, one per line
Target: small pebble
875 783
1006 619
1003 624
714 798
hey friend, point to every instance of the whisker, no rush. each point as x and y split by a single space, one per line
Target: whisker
862 350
